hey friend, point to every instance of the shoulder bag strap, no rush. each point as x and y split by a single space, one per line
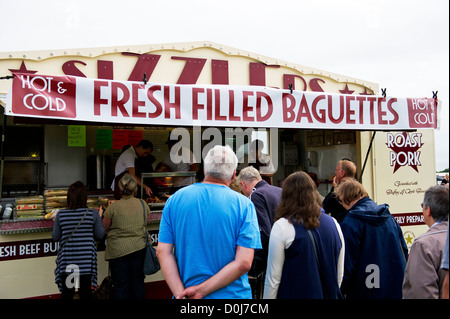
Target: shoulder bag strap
313 242
145 221
70 236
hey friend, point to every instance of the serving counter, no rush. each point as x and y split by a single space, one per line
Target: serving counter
28 252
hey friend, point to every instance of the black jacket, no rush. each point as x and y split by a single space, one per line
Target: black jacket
333 207
266 198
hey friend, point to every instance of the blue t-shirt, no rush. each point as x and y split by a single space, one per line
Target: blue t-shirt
205 222
444 264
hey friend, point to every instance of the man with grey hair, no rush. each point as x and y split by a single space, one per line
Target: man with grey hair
264 196
424 277
214 231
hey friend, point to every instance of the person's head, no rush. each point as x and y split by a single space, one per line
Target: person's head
435 204
128 185
144 148
299 202
350 192
248 177
77 196
314 178
220 163
172 139
256 147
345 169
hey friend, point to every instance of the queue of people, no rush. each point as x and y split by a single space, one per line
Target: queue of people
211 236
77 228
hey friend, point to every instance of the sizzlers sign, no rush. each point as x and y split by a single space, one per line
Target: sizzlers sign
96 100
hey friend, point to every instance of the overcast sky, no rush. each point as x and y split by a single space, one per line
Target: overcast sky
403 45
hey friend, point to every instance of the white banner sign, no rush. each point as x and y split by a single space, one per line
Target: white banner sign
126 102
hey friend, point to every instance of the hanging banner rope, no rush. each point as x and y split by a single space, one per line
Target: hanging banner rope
126 102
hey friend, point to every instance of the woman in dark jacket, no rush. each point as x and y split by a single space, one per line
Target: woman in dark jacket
375 250
76 229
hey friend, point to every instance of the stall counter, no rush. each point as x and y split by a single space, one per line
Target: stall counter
28 254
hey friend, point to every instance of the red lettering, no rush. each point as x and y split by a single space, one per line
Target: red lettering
259 97
219 70
115 102
288 110
231 115
217 106
146 63
320 118
155 102
136 102
105 70
349 112
191 70
315 86
257 72
212 109
341 110
381 113
290 79
303 111
361 100
372 100
98 101
195 105
175 105
69 68
393 112
209 111
245 107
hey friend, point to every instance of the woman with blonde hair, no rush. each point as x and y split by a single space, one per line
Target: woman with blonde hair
306 246
126 241
374 244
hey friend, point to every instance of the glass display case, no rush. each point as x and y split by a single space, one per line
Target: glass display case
163 184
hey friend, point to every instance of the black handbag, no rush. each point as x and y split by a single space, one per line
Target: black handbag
151 262
105 290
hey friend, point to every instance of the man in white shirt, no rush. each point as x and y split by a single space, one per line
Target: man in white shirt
126 164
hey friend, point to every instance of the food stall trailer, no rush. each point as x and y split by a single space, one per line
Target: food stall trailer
68 113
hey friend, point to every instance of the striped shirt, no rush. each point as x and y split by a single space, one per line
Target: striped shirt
127 231
80 250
